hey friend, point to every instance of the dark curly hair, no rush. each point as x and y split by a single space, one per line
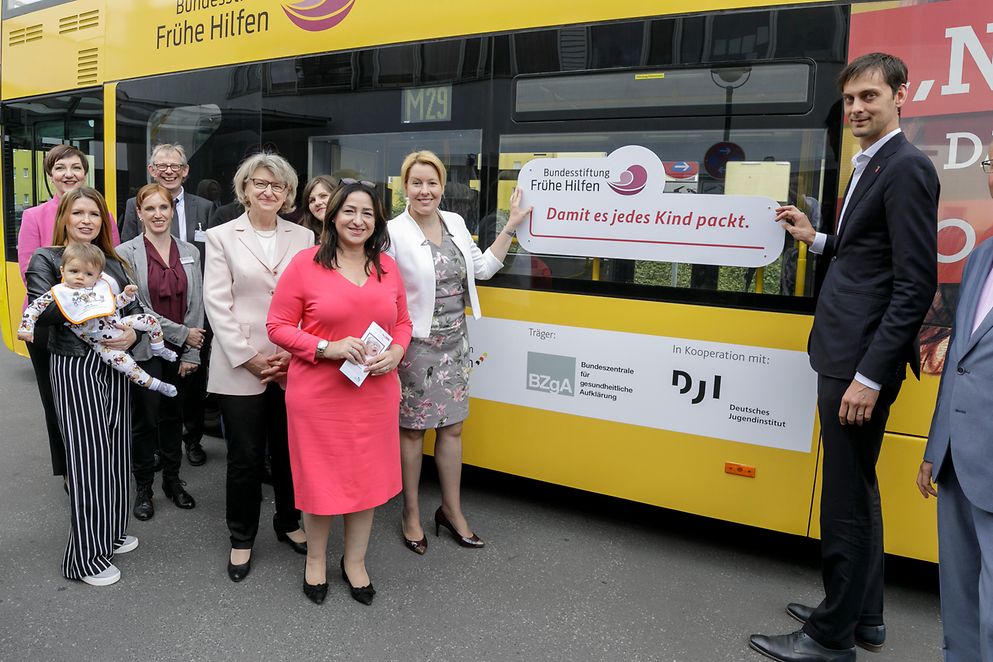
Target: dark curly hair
379 241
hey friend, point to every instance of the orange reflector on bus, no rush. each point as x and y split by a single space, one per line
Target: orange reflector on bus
736 469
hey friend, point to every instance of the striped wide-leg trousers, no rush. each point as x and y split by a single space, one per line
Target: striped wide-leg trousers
93 404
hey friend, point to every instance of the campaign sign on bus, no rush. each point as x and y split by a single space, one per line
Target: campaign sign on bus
752 395
617 207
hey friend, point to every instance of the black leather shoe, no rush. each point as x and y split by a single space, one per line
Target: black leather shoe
440 519
298 547
798 647
240 571
869 637
143 508
195 454
316 592
363 594
174 490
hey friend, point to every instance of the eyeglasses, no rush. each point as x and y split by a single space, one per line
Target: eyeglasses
165 167
364 182
263 184
987 166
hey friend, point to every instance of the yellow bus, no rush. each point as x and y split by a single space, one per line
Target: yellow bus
669 383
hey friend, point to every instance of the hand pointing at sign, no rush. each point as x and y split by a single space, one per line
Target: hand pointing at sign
796 223
501 244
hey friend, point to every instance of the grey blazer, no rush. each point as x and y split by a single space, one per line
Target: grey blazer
134 254
961 424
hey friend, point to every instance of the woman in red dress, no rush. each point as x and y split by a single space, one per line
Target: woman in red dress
344 439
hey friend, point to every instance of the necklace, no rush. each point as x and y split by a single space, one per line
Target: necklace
265 234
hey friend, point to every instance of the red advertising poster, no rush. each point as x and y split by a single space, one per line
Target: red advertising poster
948 48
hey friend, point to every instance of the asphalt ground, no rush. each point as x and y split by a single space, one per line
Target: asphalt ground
565 575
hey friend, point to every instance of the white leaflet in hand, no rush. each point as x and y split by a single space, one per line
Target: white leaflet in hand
376 341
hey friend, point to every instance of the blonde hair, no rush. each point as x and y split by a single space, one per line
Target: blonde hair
281 171
424 157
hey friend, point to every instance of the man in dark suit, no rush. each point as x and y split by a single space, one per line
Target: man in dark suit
958 455
880 281
169 167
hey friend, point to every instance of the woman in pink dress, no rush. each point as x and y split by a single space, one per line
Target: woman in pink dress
344 439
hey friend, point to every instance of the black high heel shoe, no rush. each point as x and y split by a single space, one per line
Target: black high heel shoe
240 571
316 592
440 520
363 594
298 547
416 546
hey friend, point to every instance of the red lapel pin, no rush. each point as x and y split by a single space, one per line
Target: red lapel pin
878 168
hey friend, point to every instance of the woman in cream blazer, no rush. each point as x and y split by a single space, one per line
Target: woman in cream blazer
439 263
245 258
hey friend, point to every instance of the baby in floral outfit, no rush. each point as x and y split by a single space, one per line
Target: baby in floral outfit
88 303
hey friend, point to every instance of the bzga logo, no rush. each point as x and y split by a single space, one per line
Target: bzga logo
687 386
551 373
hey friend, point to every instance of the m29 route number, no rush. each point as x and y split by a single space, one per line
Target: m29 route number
427 104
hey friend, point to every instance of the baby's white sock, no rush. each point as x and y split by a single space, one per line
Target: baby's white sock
167 390
159 349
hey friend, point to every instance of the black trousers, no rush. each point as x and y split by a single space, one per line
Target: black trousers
193 394
851 518
40 361
156 424
252 422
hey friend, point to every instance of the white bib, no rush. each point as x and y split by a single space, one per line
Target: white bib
85 304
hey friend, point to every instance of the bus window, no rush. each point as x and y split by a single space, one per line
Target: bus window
13 8
217 131
34 126
377 158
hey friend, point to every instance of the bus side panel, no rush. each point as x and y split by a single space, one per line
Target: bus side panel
909 521
911 413
54 49
658 467
13 303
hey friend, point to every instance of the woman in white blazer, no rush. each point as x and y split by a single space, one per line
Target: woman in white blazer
245 259
439 263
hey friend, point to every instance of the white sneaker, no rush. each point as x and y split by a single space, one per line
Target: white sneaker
109 576
130 542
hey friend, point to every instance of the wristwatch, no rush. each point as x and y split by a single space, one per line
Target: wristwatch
322 347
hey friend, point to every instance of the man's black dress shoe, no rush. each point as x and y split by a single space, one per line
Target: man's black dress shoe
239 572
143 508
869 637
195 454
316 592
798 647
174 490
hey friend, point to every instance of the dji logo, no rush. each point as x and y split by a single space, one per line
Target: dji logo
687 386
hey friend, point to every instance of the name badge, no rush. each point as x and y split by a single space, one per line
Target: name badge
200 236
186 259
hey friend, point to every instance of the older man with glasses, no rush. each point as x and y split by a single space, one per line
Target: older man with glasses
168 167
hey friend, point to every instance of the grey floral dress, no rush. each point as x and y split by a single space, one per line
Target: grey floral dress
434 373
